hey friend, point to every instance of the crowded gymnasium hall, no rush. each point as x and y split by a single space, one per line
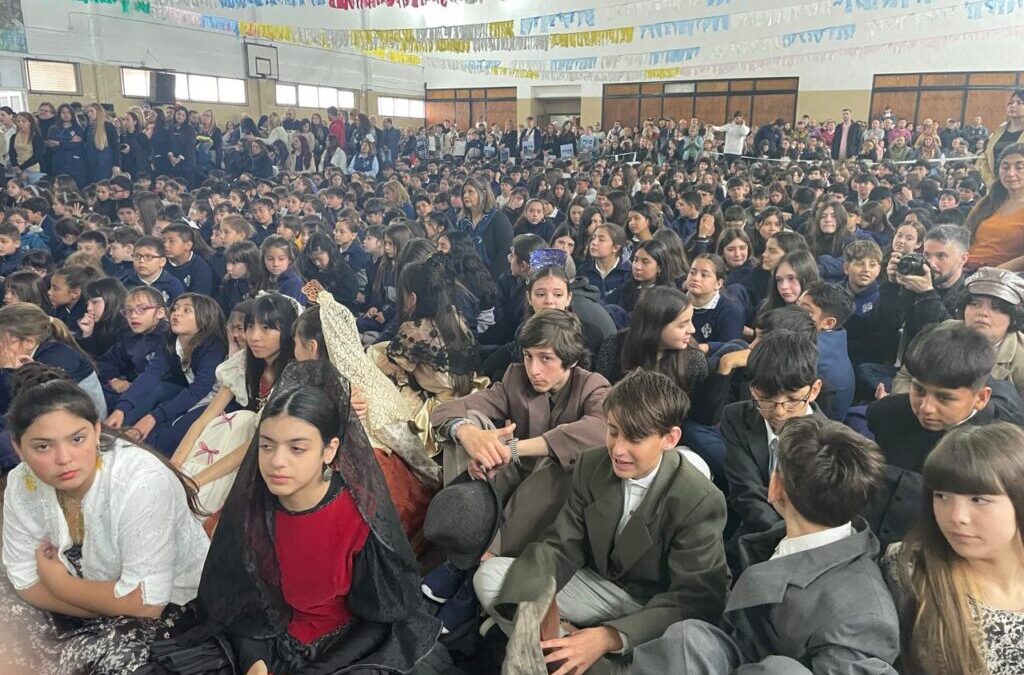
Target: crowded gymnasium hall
518 337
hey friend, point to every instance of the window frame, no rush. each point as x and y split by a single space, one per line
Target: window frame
149 83
409 102
296 86
217 83
77 73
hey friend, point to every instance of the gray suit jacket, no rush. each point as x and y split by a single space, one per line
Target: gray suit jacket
826 611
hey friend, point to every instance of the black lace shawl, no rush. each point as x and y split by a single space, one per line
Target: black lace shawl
240 591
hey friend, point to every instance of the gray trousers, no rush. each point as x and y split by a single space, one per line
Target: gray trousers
587 600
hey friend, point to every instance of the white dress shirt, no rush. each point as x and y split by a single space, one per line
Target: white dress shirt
633 493
789 546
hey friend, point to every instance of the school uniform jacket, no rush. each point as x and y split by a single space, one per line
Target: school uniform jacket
131 355
166 367
73 362
618 275
290 283
195 275
669 557
166 283
825 610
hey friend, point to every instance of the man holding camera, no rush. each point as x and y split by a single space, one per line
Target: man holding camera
922 290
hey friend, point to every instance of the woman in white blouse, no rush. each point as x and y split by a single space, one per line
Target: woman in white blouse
97 531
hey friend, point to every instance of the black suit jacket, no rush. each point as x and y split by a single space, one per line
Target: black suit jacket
854 139
746 466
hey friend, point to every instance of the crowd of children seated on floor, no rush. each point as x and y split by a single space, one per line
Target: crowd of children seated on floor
573 416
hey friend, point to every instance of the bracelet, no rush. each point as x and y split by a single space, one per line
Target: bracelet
513 446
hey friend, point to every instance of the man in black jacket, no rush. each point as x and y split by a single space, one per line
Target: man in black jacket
848 139
910 302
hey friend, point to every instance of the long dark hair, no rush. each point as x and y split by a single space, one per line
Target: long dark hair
806 269
48 390
399 235
113 294
308 326
465 264
657 308
997 193
248 253
435 300
209 321
658 250
272 310
828 244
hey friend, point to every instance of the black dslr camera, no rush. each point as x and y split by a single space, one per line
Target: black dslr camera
911 265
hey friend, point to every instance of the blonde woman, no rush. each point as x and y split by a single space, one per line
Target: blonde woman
101 145
276 131
397 197
958 578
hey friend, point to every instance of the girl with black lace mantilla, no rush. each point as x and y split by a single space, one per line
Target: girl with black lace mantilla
309 571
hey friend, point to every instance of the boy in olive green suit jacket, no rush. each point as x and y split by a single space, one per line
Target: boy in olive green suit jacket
638 545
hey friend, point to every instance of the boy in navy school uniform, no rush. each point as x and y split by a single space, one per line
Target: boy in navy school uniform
132 354
201 213
830 305
263 221
148 260
184 263
334 202
10 249
93 243
862 265
32 238
65 294
120 248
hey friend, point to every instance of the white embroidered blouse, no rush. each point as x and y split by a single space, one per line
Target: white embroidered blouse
139 530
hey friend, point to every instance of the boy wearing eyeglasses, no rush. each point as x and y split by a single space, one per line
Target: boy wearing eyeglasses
132 354
148 261
783 374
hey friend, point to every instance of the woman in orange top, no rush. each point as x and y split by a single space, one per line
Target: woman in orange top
997 222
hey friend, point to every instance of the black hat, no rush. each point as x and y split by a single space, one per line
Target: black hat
463 519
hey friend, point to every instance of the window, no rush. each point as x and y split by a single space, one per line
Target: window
286 95
52 77
209 89
135 82
400 107
310 96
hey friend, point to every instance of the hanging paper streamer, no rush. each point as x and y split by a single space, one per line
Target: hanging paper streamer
126 5
818 35
686 27
517 73
673 55
371 4
593 38
583 18
395 57
587 63
850 5
660 73
976 9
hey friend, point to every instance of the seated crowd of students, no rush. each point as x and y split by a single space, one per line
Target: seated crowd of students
720 417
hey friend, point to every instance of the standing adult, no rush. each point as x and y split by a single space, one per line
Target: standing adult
1008 133
997 222
101 145
26 148
136 149
736 133
7 129
848 138
182 151
160 141
530 140
46 117
67 143
208 128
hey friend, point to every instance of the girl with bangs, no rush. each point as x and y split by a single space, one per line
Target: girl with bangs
213 449
958 578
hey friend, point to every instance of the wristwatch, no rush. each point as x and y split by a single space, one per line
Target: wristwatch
513 446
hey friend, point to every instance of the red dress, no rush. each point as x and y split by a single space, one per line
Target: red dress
316 550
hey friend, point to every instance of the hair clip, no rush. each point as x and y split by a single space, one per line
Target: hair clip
546 257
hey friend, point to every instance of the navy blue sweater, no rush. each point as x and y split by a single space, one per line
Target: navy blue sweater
836 369
167 367
195 275
721 323
618 276
52 353
131 354
166 283
290 284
